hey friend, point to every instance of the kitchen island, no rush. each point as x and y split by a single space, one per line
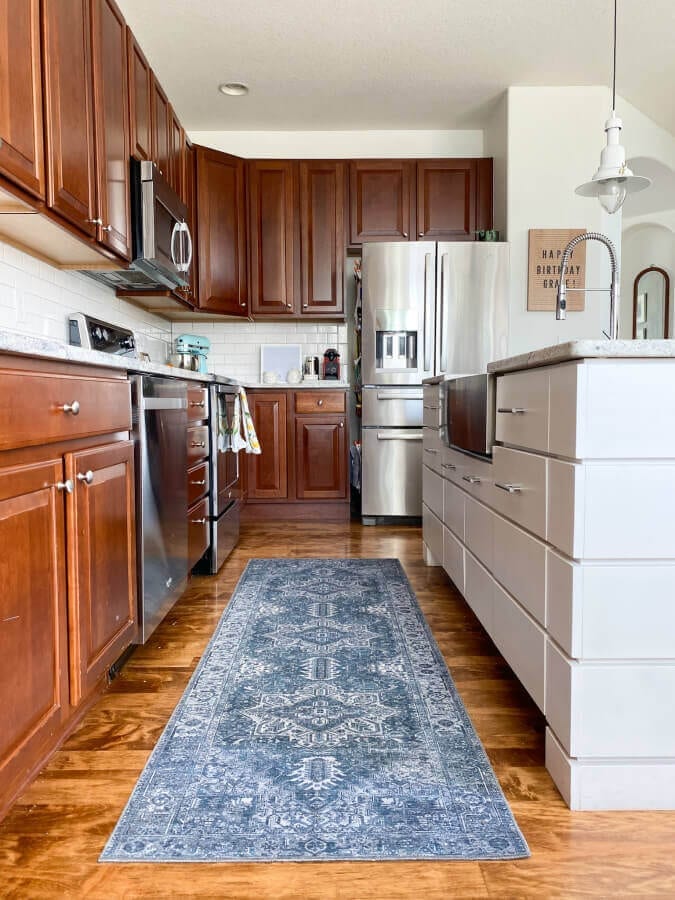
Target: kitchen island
563 546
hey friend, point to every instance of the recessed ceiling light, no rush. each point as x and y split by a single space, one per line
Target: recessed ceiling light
233 88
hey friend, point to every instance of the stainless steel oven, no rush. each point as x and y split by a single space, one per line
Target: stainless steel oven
468 420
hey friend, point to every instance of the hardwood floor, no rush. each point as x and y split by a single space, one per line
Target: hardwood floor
50 841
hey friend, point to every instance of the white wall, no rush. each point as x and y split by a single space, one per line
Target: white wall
645 244
342 144
555 135
496 146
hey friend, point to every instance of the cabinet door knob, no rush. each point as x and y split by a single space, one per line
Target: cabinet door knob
342 424
66 486
199 483
106 228
421 234
72 408
85 477
94 221
289 305
198 521
319 402
199 403
198 443
405 234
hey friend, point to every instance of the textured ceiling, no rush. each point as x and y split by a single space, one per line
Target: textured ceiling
380 64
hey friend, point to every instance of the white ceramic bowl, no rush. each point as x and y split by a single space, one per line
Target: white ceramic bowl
269 378
294 376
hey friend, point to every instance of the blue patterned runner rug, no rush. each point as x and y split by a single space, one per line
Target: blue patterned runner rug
320 724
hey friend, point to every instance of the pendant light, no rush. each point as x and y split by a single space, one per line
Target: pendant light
613 179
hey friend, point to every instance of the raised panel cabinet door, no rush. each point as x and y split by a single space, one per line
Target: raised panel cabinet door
69 113
446 199
322 236
161 153
321 458
33 618
272 218
111 107
140 100
21 128
176 154
221 233
268 472
101 561
382 200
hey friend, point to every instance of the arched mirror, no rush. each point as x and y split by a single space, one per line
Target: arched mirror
651 293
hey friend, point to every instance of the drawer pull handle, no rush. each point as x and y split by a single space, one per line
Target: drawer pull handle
512 410
72 408
198 521
430 407
451 466
199 483
429 450
472 479
198 443
200 403
509 488
85 477
66 486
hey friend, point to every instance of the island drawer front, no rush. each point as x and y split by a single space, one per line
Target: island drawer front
198 403
198 531
479 592
197 443
475 476
479 529
453 509
322 401
198 482
432 491
611 611
522 643
612 711
519 564
432 529
432 450
41 408
453 559
519 490
522 409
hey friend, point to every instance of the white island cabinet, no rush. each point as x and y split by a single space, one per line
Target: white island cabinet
572 570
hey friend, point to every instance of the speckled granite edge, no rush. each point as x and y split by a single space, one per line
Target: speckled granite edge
585 349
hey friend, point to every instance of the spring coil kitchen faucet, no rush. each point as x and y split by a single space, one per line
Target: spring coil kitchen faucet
561 298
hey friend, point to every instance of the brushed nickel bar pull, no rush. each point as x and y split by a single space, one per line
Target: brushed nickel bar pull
509 488
512 410
472 479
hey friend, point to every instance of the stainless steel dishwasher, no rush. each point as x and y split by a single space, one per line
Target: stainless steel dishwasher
160 428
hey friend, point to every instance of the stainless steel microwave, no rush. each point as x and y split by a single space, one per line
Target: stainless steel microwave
161 239
469 413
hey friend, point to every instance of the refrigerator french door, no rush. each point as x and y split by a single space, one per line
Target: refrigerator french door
428 309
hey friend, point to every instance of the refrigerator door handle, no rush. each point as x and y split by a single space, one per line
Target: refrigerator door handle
444 315
427 323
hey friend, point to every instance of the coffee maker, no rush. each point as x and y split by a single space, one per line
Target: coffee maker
331 364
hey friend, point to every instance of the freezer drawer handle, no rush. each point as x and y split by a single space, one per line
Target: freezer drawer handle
472 479
399 395
399 437
512 411
509 488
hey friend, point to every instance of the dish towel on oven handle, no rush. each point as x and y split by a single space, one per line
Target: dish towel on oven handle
234 439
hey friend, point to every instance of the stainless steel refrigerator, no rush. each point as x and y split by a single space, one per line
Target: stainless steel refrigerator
428 309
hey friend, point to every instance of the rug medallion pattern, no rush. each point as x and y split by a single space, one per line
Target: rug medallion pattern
321 723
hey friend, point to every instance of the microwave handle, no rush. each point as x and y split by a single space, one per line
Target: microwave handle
188 261
174 234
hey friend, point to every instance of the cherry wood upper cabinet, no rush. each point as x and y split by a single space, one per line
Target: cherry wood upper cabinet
273 247
33 663
221 233
101 561
109 46
176 154
69 115
321 458
454 198
268 472
21 129
140 100
161 153
322 235
382 200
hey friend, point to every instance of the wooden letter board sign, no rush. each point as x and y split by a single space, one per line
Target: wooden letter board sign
543 270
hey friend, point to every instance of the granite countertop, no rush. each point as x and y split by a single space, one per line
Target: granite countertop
311 385
586 349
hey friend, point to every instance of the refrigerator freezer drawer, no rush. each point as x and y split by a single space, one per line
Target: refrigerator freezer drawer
392 472
399 407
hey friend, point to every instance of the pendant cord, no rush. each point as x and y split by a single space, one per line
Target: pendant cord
614 64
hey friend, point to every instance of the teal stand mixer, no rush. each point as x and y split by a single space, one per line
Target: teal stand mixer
193 350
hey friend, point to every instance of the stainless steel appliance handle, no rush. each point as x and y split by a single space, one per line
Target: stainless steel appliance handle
174 234
509 488
164 403
399 395
415 436
512 411
444 316
426 324
188 235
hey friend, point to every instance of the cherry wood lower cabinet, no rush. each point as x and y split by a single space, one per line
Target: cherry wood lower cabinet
68 601
303 468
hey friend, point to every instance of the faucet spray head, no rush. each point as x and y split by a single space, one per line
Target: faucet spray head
561 300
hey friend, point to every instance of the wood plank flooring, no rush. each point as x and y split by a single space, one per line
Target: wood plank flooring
50 842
